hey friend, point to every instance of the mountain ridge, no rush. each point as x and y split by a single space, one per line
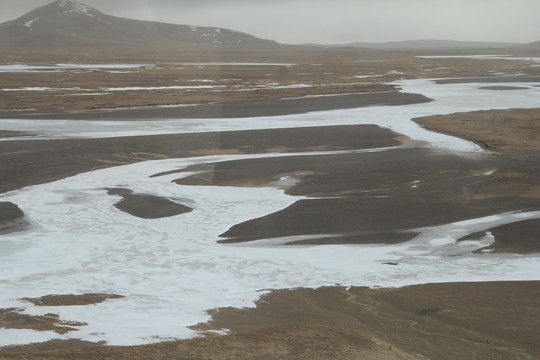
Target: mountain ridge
67 24
425 44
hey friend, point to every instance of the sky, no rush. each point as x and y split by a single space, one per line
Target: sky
332 21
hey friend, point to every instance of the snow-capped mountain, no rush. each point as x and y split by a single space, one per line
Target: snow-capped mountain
67 24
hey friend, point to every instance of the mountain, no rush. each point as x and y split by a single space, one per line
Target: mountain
433 44
67 24
428 44
534 45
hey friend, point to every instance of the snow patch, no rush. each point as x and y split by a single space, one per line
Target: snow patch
28 24
77 7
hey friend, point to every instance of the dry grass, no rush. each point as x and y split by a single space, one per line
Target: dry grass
325 71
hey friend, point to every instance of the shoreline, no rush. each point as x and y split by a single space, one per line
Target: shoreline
229 109
32 162
415 324
438 321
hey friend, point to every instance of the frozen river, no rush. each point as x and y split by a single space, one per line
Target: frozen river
171 270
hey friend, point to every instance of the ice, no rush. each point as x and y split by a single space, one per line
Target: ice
448 98
22 336
40 88
172 270
67 67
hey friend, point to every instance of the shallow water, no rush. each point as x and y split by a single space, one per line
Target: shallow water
171 270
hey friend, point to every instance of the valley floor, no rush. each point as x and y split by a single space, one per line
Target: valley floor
410 186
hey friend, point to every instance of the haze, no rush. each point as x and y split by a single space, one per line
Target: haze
339 21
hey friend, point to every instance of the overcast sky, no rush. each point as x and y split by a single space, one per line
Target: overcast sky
332 21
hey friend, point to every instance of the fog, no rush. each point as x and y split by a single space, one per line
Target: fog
338 21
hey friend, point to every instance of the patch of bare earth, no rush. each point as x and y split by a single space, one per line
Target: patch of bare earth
515 130
482 321
71 300
318 71
488 321
291 341
14 318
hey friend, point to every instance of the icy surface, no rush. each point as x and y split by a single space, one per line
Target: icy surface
448 98
66 67
171 270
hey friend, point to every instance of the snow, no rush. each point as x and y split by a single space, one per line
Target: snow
28 24
171 270
40 88
67 67
366 76
73 67
448 98
77 7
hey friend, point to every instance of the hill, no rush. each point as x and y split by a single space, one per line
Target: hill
425 45
67 24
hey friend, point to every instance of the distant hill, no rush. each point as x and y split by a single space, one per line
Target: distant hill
533 45
426 44
67 24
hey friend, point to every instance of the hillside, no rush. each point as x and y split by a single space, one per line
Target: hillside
66 24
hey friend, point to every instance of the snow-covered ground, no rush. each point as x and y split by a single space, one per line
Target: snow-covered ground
171 270
67 67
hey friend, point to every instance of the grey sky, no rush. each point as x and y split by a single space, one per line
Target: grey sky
332 21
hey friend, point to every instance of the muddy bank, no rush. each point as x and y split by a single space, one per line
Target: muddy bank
522 237
146 206
9 133
489 79
515 130
13 318
11 217
291 341
373 197
24 163
436 321
71 300
232 109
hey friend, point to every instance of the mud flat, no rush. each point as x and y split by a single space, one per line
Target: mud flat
234 109
403 183
25 163
505 131
147 206
11 217
436 321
